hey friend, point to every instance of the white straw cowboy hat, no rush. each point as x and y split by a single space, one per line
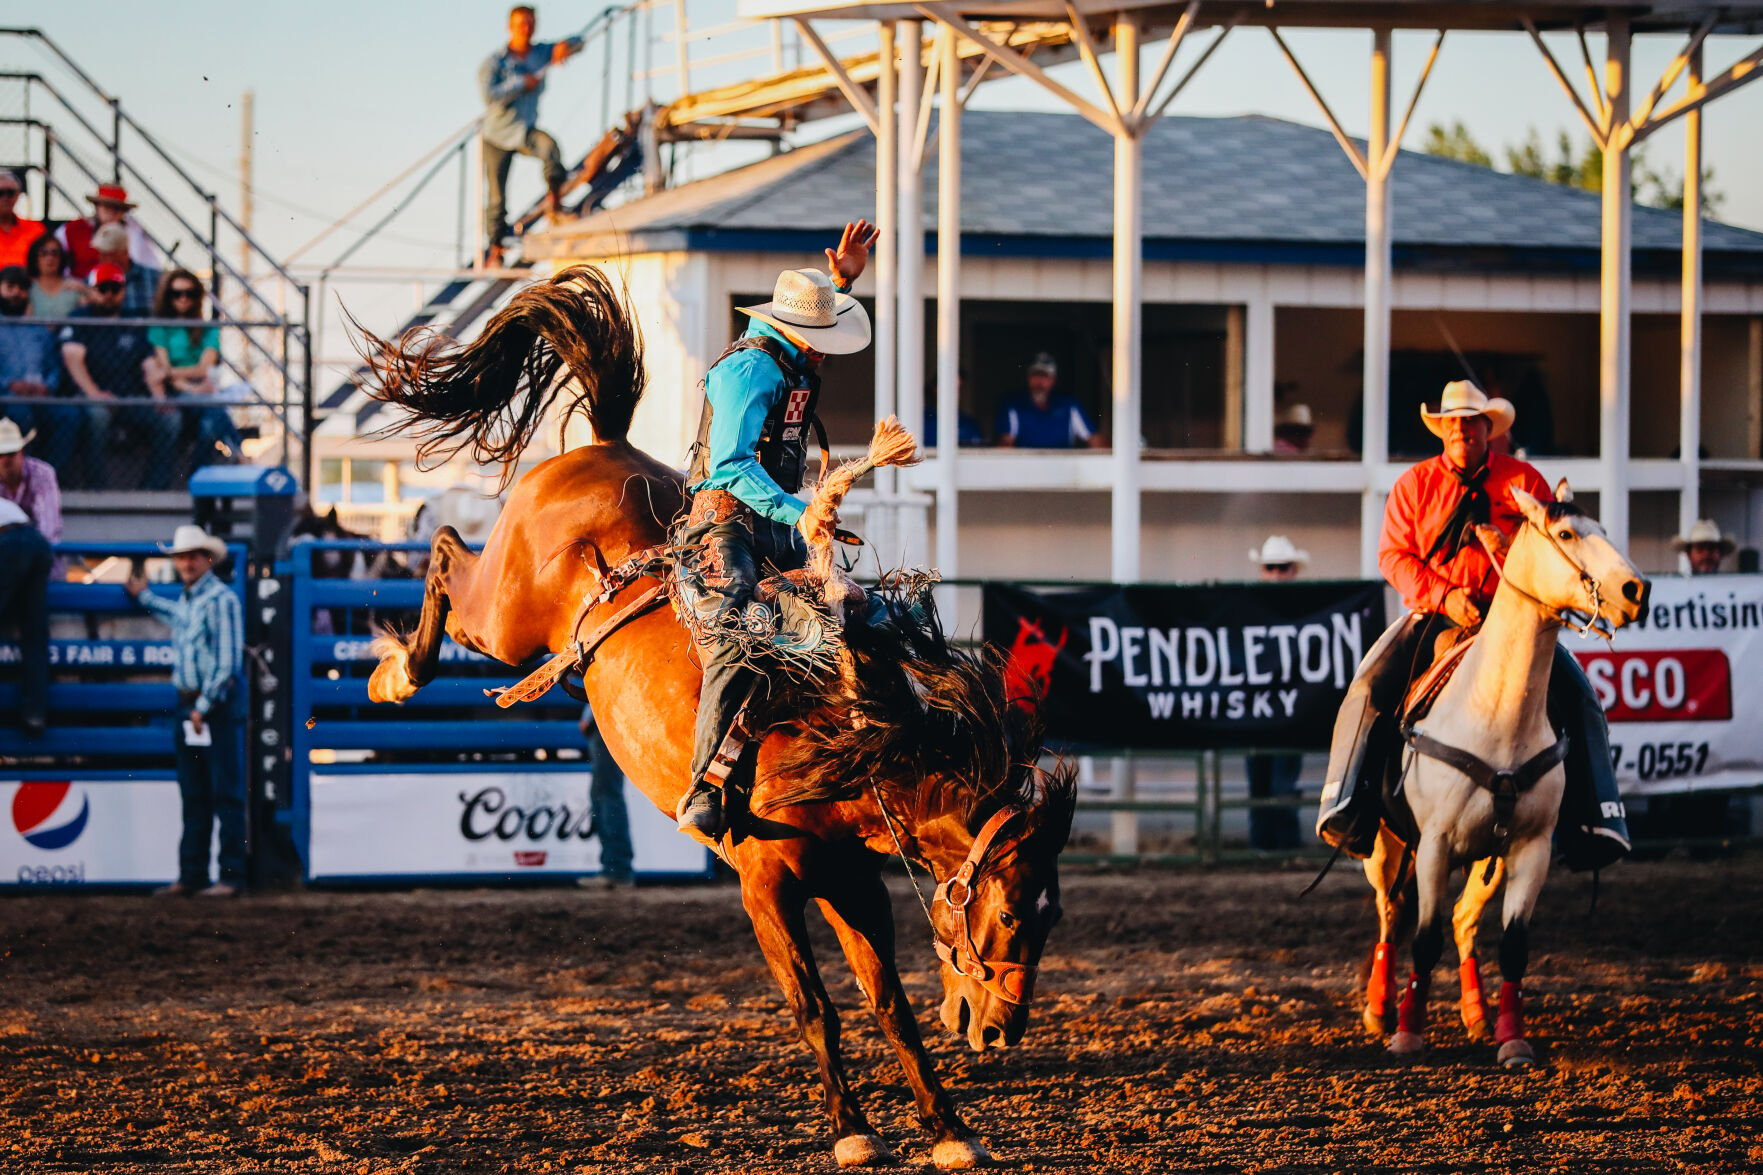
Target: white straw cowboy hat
1462 398
188 538
1278 549
1294 416
1705 532
11 440
805 306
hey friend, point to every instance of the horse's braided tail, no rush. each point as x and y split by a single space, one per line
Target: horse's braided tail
571 339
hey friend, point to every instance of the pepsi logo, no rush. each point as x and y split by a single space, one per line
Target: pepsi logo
50 815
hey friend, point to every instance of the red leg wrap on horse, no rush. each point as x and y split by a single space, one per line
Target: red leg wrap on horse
1469 975
1383 974
1510 1025
1411 1013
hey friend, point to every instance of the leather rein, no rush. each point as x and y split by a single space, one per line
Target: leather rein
1010 982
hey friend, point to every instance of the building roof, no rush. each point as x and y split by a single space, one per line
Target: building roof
1231 188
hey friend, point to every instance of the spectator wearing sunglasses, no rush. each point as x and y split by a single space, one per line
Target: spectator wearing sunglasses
140 282
16 233
111 364
185 359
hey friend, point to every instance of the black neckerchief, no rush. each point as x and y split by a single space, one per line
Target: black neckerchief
1472 508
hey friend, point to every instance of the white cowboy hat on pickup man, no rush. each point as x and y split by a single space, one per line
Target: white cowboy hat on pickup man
1462 398
189 538
1277 551
1706 532
805 307
11 440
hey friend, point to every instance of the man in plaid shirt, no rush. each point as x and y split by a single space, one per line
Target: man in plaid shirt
207 631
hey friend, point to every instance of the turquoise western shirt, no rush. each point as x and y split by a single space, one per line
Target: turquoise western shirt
743 390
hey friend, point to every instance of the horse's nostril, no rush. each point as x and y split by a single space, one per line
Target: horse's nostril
991 1034
1633 591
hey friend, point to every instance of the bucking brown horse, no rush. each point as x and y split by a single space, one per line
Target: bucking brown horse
914 750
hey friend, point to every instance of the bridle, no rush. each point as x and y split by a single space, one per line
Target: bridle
1594 621
1011 982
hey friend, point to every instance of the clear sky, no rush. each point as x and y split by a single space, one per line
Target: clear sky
347 95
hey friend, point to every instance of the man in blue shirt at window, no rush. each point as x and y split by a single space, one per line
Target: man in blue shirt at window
748 463
512 81
1041 418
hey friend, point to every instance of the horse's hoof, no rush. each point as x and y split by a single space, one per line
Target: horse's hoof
390 683
1475 1025
1517 1054
863 1150
1406 1044
1375 1022
960 1154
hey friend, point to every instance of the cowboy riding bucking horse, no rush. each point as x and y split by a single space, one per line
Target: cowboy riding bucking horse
749 461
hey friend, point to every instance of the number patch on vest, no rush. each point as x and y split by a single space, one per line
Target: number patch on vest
797 409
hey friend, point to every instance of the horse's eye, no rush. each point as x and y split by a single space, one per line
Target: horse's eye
1564 534
1007 918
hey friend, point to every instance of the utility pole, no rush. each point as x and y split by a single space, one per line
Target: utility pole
247 361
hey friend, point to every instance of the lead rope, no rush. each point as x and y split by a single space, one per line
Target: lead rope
888 819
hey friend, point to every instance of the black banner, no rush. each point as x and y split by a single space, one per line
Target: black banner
1190 668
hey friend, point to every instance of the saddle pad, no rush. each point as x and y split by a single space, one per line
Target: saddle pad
1424 692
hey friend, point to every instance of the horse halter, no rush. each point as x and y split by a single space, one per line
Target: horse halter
1010 982
1594 621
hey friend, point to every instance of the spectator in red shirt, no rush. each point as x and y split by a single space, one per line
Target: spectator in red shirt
16 233
1430 553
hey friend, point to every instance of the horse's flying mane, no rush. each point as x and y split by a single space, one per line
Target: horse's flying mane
930 725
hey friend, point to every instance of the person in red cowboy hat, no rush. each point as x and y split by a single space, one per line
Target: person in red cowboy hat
1430 553
110 205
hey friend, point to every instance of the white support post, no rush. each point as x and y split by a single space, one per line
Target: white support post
1689 432
909 261
886 253
1258 406
948 306
1375 445
1128 313
1614 328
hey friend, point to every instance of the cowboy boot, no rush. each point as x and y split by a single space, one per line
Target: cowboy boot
700 811
1592 832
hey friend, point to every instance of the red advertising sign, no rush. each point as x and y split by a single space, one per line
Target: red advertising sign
1661 685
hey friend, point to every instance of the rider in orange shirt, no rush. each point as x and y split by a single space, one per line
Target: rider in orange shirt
1429 553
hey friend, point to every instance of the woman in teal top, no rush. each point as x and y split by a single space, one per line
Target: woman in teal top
186 358
54 294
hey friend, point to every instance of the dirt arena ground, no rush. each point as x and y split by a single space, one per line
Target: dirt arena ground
1187 1021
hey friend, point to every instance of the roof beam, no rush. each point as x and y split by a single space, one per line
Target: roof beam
1677 66
1743 72
1086 46
949 14
1592 124
1334 124
1394 146
1223 32
1176 36
855 94
1591 77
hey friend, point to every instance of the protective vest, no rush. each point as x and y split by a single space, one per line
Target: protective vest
783 443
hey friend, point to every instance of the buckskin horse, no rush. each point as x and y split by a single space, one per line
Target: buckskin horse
1483 773
915 750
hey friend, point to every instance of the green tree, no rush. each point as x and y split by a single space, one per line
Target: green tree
1572 165
1455 142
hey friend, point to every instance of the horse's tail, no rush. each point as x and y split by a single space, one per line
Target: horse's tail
570 338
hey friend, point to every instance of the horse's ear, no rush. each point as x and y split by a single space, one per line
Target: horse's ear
1528 505
1563 491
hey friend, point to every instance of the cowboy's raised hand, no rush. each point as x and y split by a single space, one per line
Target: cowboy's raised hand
848 260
